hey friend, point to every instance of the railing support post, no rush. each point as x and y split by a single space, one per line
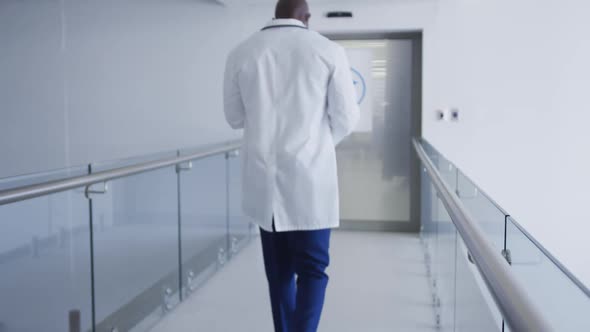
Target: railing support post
74 321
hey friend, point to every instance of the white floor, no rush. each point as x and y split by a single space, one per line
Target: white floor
377 283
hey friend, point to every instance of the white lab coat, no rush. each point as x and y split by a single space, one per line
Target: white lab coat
292 92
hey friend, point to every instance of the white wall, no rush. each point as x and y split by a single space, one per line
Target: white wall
100 80
519 73
32 128
86 81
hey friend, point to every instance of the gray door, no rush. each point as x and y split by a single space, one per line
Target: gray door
376 163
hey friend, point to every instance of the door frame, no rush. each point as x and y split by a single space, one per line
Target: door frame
414 225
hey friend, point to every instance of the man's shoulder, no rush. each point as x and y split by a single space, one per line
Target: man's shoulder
322 40
314 42
243 45
311 36
325 46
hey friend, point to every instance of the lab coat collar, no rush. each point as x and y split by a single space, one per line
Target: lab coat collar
284 22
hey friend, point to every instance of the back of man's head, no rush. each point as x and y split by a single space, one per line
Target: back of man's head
297 9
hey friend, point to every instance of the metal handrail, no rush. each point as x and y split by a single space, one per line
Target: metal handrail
46 188
516 306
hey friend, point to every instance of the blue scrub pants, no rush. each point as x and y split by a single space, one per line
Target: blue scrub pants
295 264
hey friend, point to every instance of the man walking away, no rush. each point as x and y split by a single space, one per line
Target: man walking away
291 91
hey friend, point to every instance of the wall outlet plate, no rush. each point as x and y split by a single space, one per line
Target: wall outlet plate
454 114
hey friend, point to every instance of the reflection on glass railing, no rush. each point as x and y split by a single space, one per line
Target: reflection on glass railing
475 308
460 301
135 248
129 161
240 229
460 296
44 262
490 218
564 303
204 198
134 244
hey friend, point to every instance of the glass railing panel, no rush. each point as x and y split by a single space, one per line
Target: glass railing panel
44 259
240 228
445 267
136 250
476 309
462 301
448 172
134 160
490 218
431 152
203 192
445 167
438 236
428 233
563 303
